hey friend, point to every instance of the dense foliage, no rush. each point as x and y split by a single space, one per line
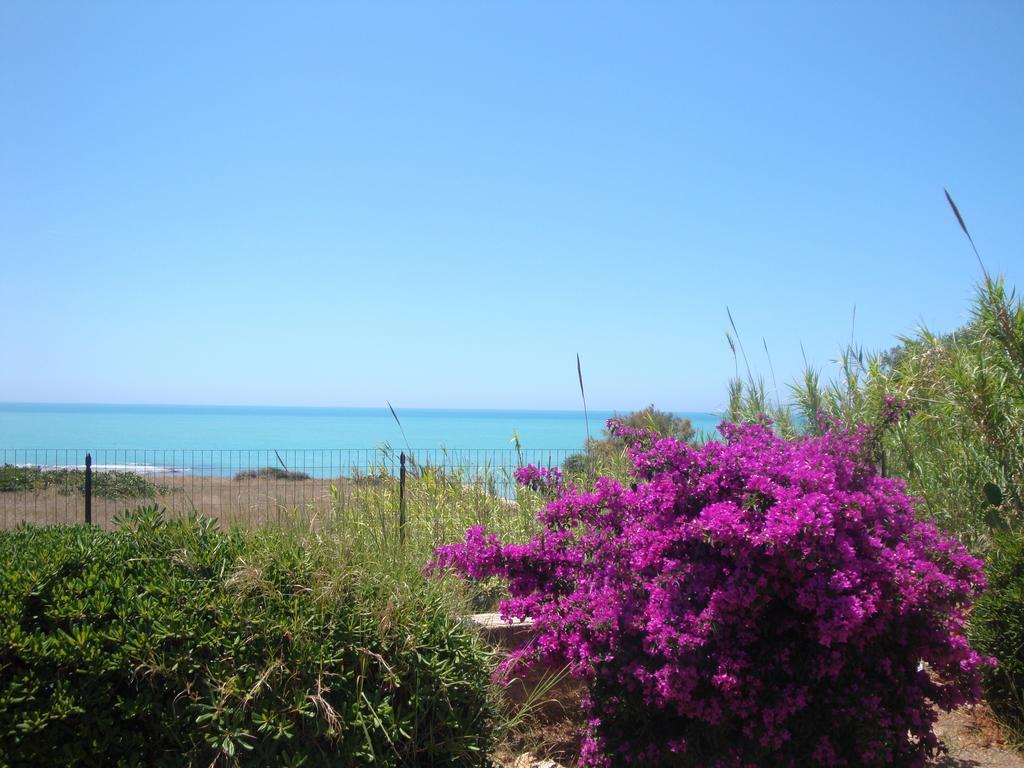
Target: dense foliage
750 602
171 643
997 628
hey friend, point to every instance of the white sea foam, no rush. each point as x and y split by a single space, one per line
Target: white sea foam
138 469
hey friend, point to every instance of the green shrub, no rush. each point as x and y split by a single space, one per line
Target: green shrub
271 473
997 629
172 643
580 465
15 478
105 485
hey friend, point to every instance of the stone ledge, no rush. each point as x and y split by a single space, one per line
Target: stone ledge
506 636
499 632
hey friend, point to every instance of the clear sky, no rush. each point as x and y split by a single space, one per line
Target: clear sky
442 203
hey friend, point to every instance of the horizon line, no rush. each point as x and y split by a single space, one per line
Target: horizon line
383 408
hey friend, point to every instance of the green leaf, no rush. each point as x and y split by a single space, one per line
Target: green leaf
994 519
993 494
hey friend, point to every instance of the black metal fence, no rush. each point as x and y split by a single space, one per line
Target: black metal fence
252 487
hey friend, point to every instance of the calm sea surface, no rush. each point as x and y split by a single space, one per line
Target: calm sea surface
229 427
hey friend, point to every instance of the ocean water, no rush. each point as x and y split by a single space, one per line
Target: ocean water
69 426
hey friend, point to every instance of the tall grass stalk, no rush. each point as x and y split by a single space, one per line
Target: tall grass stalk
362 531
362 523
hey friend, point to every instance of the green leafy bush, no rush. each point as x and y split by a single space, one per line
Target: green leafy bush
271 473
105 485
997 629
168 642
15 478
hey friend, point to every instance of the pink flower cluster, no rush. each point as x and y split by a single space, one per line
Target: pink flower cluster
750 602
539 479
894 411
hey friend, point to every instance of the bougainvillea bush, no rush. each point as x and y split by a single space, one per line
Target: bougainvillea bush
752 602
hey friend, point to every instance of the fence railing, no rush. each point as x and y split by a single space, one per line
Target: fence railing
252 487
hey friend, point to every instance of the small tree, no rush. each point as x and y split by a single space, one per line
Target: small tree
607 455
650 419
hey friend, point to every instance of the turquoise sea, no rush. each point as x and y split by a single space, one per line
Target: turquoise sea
70 426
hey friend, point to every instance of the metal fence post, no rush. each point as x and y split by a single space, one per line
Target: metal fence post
88 489
401 498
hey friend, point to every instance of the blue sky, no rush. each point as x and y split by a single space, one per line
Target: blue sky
442 203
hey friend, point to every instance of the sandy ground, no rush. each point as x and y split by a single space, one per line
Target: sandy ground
974 740
250 502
